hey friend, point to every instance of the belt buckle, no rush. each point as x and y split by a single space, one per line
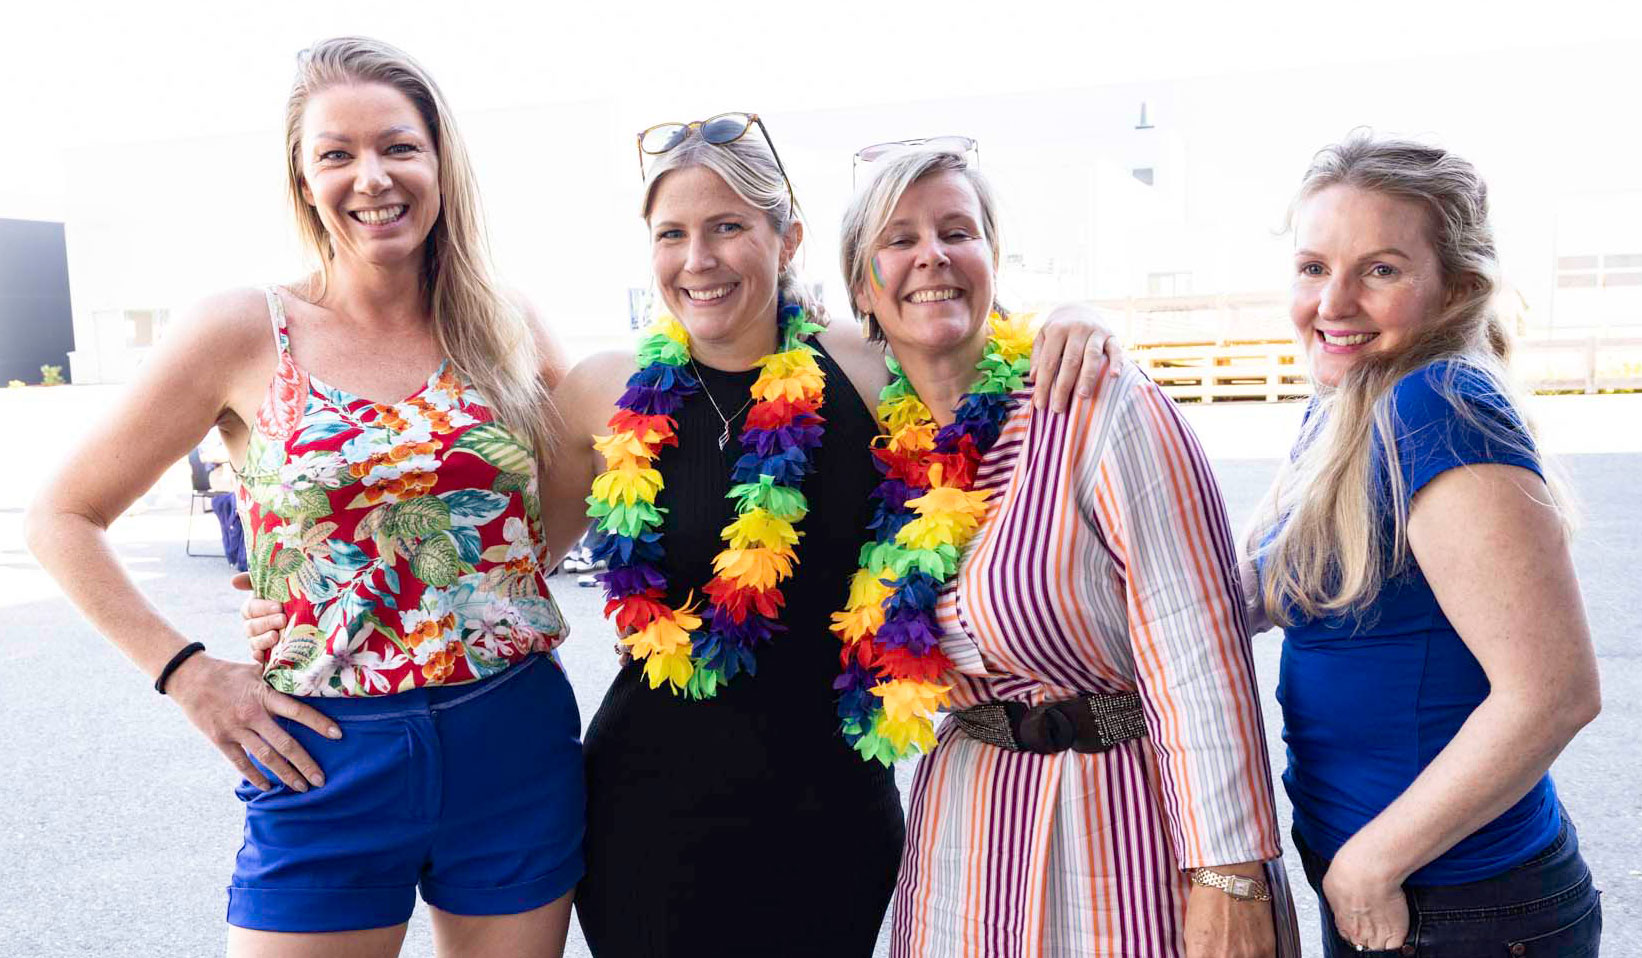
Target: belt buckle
1045 729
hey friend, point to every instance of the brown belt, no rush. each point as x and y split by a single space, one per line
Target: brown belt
1088 723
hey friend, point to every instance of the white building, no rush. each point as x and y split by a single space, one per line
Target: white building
1097 204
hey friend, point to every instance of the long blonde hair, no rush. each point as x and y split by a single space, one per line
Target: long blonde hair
1319 533
749 168
485 337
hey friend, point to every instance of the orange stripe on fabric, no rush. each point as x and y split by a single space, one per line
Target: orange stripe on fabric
1157 692
1101 851
988 635
927 842
1224 622
979 812
1090 641
1046 810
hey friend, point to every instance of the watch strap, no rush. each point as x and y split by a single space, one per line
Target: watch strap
1237 886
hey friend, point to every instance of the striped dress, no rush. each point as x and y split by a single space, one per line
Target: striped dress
1105 564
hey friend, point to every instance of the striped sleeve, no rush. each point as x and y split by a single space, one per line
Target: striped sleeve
1166 527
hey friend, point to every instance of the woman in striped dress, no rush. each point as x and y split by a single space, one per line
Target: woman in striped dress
1102 787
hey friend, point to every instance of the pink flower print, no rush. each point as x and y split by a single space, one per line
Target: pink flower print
287 397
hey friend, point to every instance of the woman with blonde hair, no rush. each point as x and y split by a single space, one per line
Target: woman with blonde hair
386 418
1435 657
728 465
1066 586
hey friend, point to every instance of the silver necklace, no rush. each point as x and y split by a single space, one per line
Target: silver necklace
723 437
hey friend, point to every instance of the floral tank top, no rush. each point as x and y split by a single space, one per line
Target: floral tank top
404 540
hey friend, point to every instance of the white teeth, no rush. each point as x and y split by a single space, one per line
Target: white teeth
377 217
933 295
1354 339
704 295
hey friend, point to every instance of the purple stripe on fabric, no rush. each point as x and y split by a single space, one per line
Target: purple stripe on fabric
1042 498
1019 537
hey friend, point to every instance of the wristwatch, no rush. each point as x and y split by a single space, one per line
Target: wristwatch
1237 886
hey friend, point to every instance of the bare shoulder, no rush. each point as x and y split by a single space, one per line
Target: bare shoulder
861 359
590 389
555 362
238 315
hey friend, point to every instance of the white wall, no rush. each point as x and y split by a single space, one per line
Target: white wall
154 225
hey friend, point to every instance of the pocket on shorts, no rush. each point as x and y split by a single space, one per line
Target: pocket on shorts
1576 939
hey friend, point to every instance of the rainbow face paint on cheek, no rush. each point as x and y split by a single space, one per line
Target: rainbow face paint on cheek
875 277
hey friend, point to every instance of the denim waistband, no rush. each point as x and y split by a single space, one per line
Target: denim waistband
1555 871
415 702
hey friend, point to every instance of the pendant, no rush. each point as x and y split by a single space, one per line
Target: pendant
724 438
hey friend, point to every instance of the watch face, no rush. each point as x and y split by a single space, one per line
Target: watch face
1241 888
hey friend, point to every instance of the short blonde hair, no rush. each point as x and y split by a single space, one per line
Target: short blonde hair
875 203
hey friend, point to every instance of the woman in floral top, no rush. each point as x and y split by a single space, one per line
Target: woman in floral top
403 538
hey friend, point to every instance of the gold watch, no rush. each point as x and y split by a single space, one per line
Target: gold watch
1237 886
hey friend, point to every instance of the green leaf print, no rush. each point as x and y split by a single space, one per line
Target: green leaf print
315 536
373 522
493 443
261 561
510 482
281 680
312 583
300 648
473 507
436 562
418 517
279 590
313 503
287 561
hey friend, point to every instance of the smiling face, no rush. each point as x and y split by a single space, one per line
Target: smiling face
370 170
716 259
930 273
1366 277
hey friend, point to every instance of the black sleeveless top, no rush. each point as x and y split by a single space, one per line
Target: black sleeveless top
713 825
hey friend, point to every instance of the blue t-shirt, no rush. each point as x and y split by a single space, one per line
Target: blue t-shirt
1370 699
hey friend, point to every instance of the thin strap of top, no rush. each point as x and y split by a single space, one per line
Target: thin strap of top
276 315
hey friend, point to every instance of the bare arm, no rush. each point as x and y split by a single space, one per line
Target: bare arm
1073 350
555 361
1494 552
201 373
585 399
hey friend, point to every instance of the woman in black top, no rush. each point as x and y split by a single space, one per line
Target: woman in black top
740 824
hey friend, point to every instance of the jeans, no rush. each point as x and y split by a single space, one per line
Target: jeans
1546 906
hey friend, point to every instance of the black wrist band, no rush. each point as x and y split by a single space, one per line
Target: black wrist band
176 661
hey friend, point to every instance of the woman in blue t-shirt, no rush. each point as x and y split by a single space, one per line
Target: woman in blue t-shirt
1436 657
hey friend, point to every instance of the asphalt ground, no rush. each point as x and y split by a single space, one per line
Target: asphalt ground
118 824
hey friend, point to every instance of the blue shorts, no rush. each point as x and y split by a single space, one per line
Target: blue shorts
474 792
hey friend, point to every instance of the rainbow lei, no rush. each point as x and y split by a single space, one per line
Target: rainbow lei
927 511
696 654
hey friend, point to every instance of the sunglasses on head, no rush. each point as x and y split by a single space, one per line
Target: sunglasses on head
963 146
718 130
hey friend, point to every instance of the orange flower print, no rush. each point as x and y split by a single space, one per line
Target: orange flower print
440 666
409 486
387 417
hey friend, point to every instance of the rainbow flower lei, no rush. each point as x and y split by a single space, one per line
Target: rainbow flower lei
927 511
696 654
